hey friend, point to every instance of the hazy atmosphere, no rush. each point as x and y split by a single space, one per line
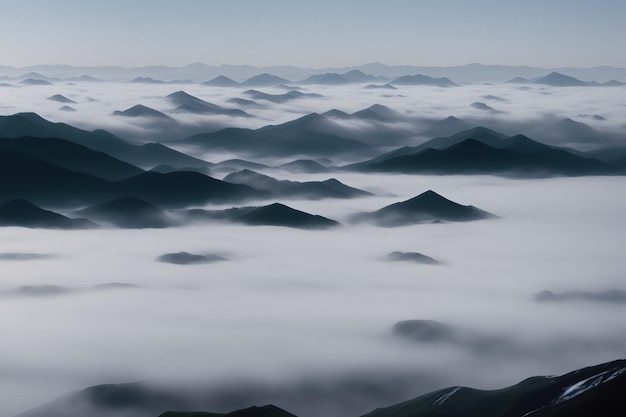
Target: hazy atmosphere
314 34
326 207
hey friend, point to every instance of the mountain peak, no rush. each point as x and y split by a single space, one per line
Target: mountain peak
557 79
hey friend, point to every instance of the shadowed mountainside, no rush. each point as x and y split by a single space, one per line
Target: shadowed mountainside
330 188
483 151
307 135
275 214
186 103
20 212
44 183
428 207
144 156
140 110
70 156
128 212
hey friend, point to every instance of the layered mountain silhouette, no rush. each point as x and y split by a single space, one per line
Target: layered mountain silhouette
279 98
71 156
568 131
128 212
235 164
329 78
419 79
166 169
264 80
146 80
446 127
221 81
182 188
186 103
307 135
373 113
331 188
556 79
333 78
275 214
45 183
145 156
378 112
427 207
20 212
307 166
140 110
482 151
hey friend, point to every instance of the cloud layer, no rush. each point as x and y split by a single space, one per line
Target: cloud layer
296 304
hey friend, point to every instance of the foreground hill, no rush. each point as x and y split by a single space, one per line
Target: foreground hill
427 207
592 391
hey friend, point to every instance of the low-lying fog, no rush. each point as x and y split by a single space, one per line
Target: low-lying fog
292 304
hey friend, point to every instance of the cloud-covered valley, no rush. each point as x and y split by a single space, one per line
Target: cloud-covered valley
291 310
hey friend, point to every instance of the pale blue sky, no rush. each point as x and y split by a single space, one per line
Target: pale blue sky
312 33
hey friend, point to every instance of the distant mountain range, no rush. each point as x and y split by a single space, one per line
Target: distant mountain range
199 72
556 79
